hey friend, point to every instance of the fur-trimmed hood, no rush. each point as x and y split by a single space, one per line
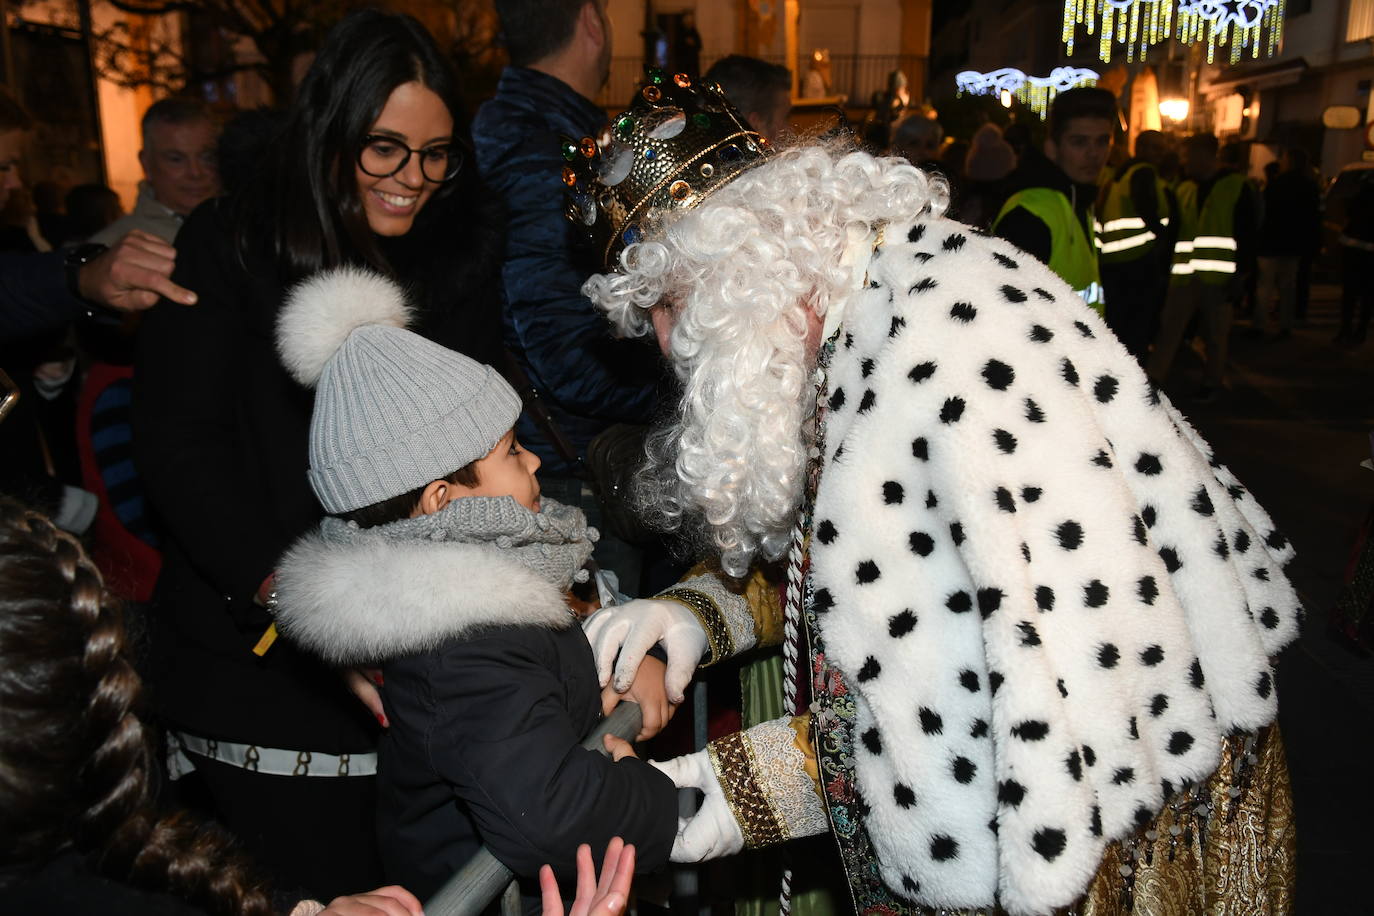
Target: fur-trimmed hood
370 598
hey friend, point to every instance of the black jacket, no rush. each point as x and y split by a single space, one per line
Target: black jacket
489 686
220 440
588 379
68 886
34 298
1292 216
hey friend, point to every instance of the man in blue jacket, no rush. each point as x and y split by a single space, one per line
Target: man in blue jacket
40 292
560 55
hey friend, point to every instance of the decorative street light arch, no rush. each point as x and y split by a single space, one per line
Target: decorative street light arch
1035 92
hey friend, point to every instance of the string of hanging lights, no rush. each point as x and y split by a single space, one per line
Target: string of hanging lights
1137 25
1243 25
1035 92
1253 26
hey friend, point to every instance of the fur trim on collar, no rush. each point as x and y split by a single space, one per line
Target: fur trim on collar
374 599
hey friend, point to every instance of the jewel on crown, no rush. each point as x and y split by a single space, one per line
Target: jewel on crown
679 141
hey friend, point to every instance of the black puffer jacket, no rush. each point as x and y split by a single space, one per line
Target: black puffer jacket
220 440
490 686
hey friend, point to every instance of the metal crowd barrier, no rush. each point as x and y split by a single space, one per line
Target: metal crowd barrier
474 886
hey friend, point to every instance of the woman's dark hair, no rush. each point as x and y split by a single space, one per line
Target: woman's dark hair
76 763
304 197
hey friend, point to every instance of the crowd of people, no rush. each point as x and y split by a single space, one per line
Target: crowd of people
1138 212
342 412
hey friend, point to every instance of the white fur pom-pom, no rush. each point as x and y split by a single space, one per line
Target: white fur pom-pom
320 313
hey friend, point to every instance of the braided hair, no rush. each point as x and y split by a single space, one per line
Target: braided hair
76 763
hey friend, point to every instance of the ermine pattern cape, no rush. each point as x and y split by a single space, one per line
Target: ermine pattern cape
1049 600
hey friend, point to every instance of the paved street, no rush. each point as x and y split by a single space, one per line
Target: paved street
1294 428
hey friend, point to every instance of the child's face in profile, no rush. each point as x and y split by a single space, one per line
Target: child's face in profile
507 470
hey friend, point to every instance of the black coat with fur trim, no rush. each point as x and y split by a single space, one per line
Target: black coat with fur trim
221 446
489 686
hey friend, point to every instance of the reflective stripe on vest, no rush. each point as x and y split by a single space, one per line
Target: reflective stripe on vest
1092 293
1213 258
1072 256
1186 195
1117 236
1125 236
1183 258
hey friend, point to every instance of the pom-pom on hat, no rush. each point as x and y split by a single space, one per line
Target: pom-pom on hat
393 411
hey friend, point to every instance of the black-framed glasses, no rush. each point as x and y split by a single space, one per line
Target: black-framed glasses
383 156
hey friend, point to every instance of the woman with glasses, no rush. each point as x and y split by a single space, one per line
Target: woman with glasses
368 169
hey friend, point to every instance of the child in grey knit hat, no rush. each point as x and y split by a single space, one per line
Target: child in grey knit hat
441 563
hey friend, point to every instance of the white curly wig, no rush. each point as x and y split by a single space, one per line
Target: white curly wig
739 271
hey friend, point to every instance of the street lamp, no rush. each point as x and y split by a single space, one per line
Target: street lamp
1175 110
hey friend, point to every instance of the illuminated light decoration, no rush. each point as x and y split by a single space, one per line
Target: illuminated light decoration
1254 26
1035 92
1136 25
1242 25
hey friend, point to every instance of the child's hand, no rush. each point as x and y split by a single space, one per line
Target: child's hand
622 633
649 692
604 898
384 901
361 681
618 748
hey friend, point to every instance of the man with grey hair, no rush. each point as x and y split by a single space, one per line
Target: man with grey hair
180 168
1029 616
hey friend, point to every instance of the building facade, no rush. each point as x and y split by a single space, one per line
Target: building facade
1326 59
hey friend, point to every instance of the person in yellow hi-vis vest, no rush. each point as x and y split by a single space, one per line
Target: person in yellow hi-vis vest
1137 245
1214 251
1052 215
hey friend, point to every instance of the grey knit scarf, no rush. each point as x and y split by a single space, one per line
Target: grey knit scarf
554 543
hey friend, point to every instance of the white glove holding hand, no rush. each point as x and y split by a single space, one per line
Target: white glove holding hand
713 831
631 629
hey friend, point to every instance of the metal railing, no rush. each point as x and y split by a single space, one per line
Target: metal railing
484 878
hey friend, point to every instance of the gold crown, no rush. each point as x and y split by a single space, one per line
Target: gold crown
677 143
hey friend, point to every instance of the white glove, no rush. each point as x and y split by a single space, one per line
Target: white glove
713 831
632 628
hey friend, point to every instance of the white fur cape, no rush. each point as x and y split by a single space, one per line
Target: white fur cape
372 598
1049 601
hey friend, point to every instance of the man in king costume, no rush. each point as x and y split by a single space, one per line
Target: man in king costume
1036 617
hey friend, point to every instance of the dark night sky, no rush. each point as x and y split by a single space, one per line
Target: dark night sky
944 10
